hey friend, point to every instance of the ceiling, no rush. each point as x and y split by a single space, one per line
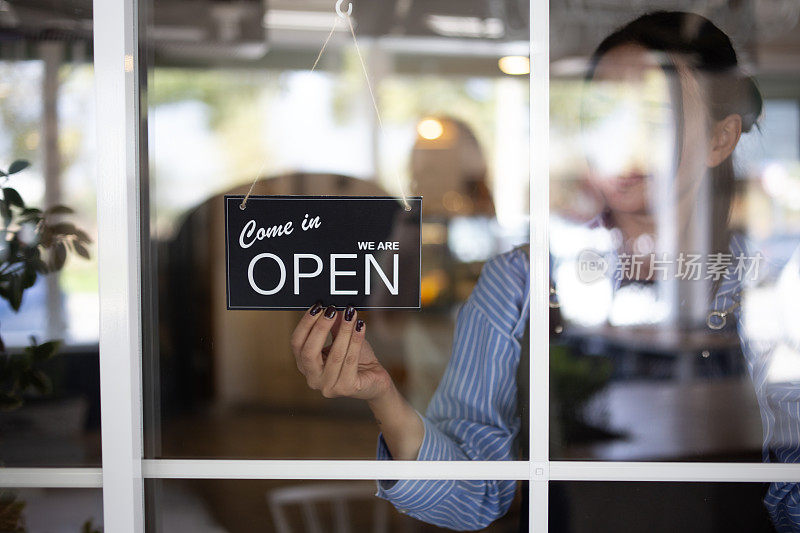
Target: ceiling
287 32
249 28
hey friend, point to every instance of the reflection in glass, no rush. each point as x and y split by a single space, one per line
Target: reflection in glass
56 510
282 506
674 250
656 507
49 407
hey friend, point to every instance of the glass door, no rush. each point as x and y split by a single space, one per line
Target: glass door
608 274
291 98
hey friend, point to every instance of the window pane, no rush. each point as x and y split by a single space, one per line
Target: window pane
290 505
224 109
52 510
674 235
49 412
600 507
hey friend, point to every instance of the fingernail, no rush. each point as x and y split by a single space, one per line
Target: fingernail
330 311
349 311
316 308
359 324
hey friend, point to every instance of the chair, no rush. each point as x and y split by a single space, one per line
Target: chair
311 497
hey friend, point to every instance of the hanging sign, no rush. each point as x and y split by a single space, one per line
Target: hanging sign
287 252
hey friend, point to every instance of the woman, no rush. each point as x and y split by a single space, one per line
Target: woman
702 105
479 385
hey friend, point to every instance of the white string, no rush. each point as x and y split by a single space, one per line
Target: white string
406 205
325 44
243 205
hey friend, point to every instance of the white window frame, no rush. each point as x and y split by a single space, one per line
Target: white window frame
116 66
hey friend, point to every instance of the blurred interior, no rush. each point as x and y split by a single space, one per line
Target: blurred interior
283 506
656 507
231 98
47 116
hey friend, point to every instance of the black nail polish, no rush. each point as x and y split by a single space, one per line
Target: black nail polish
349 311
330 311
316 308
359 324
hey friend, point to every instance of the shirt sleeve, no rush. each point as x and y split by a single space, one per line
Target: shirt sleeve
783 424
783 504
472 413
778 395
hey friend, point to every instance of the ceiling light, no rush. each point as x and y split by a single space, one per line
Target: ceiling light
430 129
454 26
300 20
515 65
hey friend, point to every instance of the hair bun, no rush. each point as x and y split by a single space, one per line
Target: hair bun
749 103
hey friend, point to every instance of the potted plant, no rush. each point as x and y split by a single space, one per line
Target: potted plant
35 242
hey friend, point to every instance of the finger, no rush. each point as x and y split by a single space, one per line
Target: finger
349 373
311 352
303 327
337 324
325 351
336 356
301 331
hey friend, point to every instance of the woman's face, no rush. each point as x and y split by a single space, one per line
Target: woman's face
628 128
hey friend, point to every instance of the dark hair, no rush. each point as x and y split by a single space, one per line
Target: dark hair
707 50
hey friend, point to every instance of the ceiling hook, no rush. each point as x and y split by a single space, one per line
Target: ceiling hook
341 13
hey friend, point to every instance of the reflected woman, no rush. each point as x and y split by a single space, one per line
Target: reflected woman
665 107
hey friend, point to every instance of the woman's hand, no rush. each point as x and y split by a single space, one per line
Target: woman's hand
348 366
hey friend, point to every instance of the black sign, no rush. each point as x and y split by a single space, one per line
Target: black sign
287 252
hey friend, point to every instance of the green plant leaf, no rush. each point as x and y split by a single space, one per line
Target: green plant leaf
82 236
40 381
46 237
15 292
28 276
58 256
58 210
18 165
30 214
88 527
44 351
29 219
12 519
5 212
63 228
13 197
81 250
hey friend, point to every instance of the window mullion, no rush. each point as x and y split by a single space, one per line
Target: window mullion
62 478
117 96
539 303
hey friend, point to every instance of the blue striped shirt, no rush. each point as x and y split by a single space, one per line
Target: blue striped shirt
472 413
778 395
